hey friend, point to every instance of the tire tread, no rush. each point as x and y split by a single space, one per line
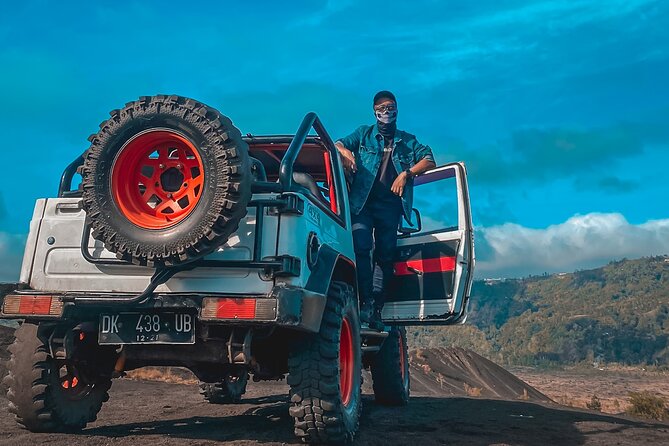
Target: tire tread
31 396
314 378
389 387
223 216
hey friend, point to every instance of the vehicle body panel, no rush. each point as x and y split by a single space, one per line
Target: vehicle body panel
59 266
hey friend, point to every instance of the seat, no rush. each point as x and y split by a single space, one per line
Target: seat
307 181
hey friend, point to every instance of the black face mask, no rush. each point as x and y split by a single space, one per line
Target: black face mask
387 130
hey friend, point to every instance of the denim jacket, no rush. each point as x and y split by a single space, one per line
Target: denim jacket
366 143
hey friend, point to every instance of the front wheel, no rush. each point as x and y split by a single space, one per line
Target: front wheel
48 394
325 373
390 370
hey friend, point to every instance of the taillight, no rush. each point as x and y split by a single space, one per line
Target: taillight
32 305
238 308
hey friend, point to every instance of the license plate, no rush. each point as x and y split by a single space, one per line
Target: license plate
147 328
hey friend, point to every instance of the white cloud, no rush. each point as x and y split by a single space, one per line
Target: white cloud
583 241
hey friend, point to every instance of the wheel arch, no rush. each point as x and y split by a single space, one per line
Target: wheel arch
344 271
331 265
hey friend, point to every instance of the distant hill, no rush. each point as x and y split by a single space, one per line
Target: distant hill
616 313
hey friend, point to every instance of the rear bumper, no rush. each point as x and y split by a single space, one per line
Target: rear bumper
285 306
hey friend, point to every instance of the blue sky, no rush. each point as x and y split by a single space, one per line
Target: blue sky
559 108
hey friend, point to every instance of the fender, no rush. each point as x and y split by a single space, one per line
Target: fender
303 307
326 269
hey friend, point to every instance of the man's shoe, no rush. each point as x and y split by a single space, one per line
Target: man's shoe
366 311
375 322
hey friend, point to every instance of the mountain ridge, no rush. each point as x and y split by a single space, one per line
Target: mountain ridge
615 313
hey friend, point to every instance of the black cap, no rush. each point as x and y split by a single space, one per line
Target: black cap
384 94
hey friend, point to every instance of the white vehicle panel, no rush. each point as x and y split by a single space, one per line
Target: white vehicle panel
31 242
59 266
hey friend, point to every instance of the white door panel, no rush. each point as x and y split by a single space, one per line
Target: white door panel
433 267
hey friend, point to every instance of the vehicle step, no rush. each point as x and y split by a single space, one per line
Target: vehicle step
371 348
373 333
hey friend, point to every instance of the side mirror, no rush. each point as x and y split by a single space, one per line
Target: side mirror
412 227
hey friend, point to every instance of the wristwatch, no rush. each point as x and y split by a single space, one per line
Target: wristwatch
409 173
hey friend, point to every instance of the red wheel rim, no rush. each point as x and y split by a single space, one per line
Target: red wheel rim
402 358
72 386
70 383
157 179
346 362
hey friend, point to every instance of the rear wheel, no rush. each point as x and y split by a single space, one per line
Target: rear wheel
165 181
325 373
48 394
228 391
390 370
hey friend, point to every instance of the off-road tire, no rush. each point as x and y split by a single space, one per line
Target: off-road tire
221 201
36 396
390 370
317 400
228 391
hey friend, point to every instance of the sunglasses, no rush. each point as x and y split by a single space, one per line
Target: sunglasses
385 108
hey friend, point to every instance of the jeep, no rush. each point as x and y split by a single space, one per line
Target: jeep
187 244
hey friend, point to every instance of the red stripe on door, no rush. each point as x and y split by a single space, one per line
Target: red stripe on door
438 265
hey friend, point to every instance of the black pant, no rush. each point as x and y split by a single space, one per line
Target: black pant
375 231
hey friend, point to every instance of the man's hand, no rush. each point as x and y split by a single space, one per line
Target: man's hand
348 159
399 183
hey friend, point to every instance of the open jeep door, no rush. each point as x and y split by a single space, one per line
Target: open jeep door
434 264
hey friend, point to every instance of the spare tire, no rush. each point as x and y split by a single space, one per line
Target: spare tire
165 181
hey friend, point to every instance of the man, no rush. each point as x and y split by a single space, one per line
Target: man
382 162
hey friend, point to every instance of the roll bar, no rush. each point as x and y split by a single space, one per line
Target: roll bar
310 121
